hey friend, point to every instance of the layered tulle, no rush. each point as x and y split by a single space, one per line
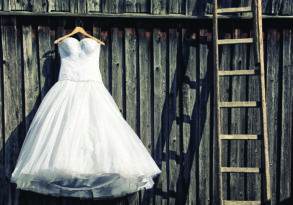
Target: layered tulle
79 145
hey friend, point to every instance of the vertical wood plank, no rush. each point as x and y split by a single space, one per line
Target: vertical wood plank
117 67
176 7
13 105
31 81
286 171
47 65
93 6
24 5
266 6
160 109
145 86
190 111
105 56
287 7
2 123
112 6
2 5
275 6
51 6
174 165
18 5
31 73
159 7
145 125
131 88
40 6
5 6
59 5
62 5
254 126
204 117
60 30
273 72
137 6
78 6
131 77
196 7
190 7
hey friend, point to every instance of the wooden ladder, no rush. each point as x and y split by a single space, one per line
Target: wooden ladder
256 10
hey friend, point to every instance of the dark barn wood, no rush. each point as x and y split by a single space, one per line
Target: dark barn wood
160 75
186 7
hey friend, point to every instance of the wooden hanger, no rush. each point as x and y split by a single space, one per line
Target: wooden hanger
78 29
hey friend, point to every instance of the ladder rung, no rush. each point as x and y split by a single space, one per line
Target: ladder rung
232 202
238 104
234 10
240 169
239 137
236 72
235 41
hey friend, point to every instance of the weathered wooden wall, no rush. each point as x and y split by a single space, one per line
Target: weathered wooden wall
161 78
160 7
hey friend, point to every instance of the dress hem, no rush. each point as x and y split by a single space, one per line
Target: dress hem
91 193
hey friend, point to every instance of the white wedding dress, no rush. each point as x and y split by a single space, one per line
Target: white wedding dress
78 143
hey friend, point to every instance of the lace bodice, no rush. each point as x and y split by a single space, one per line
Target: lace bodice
79 60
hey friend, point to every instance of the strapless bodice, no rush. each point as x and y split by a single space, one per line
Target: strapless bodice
79 60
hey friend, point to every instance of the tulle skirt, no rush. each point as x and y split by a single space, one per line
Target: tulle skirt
79 145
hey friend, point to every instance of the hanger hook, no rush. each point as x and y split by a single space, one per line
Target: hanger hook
78 22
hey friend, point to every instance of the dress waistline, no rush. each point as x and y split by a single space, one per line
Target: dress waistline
74 80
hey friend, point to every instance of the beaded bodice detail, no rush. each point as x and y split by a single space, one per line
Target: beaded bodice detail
79 60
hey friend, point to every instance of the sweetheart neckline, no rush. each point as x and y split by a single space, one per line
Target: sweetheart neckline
78 41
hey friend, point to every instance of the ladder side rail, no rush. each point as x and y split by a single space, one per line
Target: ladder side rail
258 4
216 98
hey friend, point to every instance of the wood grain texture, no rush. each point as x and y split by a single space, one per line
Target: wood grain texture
93 6
31 76
112 6
2 125
272 79
159 7
131 87
46 58
131 77
12 102
105 56
79 6
190 111
176 7
137 6
117 68
286 120
173 138
225 56
188 7
145 97
59 5
204 128
238 119
160 110
253 127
